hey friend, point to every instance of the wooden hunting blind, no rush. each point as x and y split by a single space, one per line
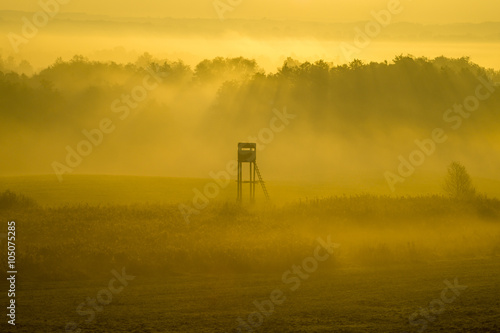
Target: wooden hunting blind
247 153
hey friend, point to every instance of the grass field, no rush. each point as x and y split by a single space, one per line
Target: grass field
106 189
332 300
394 256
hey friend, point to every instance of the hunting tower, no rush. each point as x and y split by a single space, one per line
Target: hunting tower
247 153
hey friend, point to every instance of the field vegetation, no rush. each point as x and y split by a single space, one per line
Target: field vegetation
84 241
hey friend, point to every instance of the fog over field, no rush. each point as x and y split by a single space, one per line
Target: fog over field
269 41
250 166
387 81
353 120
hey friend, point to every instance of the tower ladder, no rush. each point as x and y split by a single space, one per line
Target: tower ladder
262 182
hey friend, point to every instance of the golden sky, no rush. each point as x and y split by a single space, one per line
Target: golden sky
421 11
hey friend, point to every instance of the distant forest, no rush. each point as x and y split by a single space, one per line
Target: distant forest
225 98
405 87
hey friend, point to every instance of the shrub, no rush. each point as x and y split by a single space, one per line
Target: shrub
11 200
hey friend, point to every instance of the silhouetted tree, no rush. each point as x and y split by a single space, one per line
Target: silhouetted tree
458 184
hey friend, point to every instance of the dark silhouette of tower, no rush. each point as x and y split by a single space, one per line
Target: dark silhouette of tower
247 153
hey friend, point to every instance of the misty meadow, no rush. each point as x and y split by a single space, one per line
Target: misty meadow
104 117
353 119
268 166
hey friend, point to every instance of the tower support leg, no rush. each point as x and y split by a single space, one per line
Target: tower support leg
240 184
